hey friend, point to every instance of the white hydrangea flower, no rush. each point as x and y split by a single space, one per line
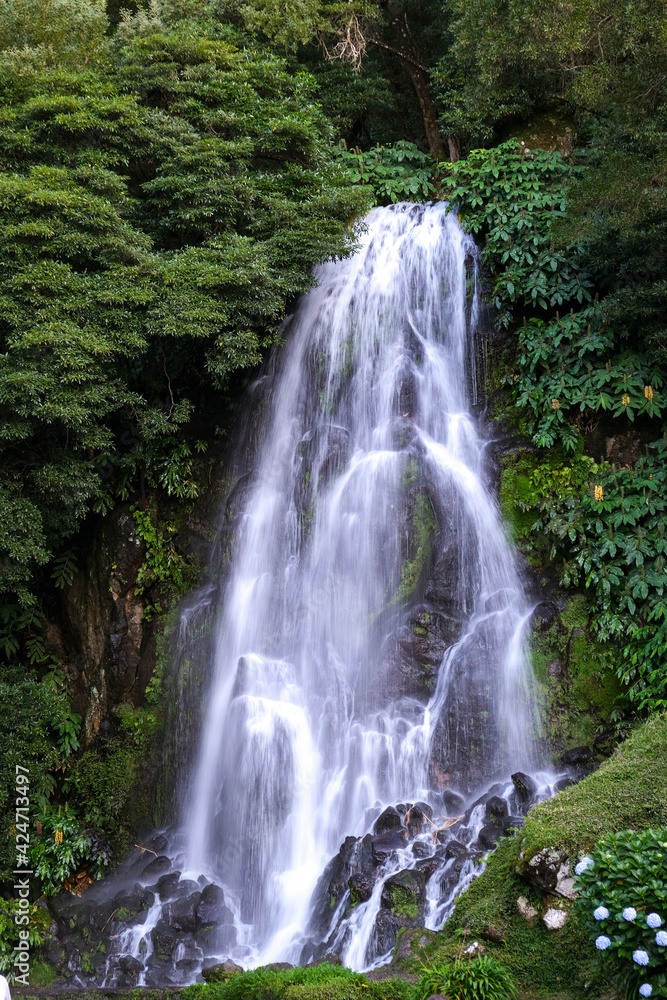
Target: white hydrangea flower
646 989
661 939
640 956
654 921
601 913
602 942
629 913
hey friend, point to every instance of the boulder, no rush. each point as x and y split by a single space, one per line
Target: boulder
549 871
384 846
554 919
421 850
453 802
211 904
497 810
167 885
404 894
156 867
526 909
388 821
387 926
578 756
415 818
525 787
489 836
329 958
181 913
130 965
361 886
218 973
278 967
131 906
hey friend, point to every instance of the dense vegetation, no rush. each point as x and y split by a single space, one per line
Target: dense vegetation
168 177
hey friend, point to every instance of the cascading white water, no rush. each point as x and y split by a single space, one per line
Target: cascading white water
366 429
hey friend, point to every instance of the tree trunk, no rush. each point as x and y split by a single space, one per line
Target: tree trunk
434 138
454 148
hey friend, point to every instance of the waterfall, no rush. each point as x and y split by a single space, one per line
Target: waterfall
369 692
368 456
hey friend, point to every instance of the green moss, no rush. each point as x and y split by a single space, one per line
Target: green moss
627 792
543 963
424 530
42 974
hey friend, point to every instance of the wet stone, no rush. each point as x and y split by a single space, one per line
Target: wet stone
167 885
220 972
453 803
385 845
131 906
361 886
489 836
181 914
385 931
212 904
130 964
156 867
496 810
421 850
388 821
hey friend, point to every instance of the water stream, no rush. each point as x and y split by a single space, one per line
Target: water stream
366 499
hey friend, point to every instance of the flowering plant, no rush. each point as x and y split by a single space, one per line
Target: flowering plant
622 897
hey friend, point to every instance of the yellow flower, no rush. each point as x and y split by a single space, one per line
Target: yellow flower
59 837
599 493
555 404
648 392
625 399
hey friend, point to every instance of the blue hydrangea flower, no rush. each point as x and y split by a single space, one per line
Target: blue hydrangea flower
629 913
602 942
654 921
646 989
661 939
583 865
640 956
602 913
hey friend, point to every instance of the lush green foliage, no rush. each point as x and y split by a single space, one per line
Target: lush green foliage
158 217
312 982
39 920
622 896
481 978
512 196
395 173
64 847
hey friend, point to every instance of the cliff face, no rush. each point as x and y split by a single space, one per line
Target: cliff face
103 633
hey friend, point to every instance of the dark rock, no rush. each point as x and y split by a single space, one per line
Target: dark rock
159 844
216 939
453 803
181 913
361 886
386 928
387 821
220 972
513 823
167 885
130 964
156 867
278 967
132 905
428 866
329 958
496 789
187 965
491 933
212 905
415 818
421 850
385 845
404 894
565 782
165 939
524 786
577 756
456 850
496 810
489 836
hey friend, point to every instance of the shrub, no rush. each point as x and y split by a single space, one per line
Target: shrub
622 895
482 978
